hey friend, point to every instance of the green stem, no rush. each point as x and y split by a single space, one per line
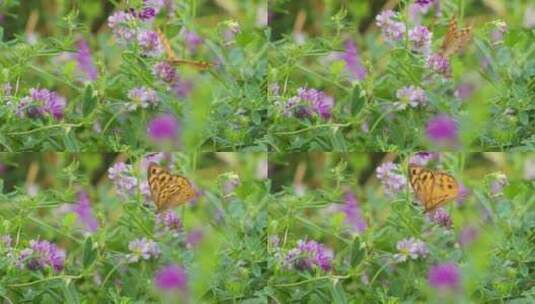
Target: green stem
312 280
314 127
46 279
45 128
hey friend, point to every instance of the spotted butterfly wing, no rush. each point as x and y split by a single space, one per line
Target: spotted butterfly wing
168 190
433 189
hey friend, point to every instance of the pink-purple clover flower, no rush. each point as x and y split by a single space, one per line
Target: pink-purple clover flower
123 25
40 102
391 177
442 129
143 249
142 97
150 43
84 59
444 276
410 96
121 174
83 209
392 30
410 248
420 38
163 127
42 254
310 101
171 277
309 255
352 59
353 213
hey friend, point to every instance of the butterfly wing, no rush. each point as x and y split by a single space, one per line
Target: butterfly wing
432 189
455 39
445 188
421 180
168 190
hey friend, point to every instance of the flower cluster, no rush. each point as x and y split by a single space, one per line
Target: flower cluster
497 184
42 254
353 213
150 43
309 101
83 209
412 96
439 64
121 174
85 61
163 127
124 25
392 30
442 130
410 248
191 40
393 181
441 218
171 277
41 102
420 37
352 59
143 249
444 276
422 158
142 97
168 221
309 255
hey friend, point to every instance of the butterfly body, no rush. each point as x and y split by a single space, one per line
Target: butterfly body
455 39
432 188
168 190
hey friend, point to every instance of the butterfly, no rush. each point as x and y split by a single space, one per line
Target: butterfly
455 39
171 57
168 190
433 189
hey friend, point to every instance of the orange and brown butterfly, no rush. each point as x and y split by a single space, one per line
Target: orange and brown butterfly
455 39
432 188
168 190
171 57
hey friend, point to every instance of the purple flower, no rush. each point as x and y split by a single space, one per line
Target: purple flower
308 255
147 14
230 183
143 97
194 237
353 62
464 91
150 43
163 127
232 29
41 254
392 29
412 96
191 39
171 277
444 276
182 88
5 89
467 235
497 184
498 33
123 25
143 248
156 5
168 221
164 71
309 101
423 2
5 241
441 218
85 213
393 181
442 129
121 174
410 248
353 213
463 194
439 64
420 37
40 102
422 158
85 62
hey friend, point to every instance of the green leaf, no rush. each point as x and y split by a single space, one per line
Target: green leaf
337 292
70 293
90 253
357 252
89 101
358 100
